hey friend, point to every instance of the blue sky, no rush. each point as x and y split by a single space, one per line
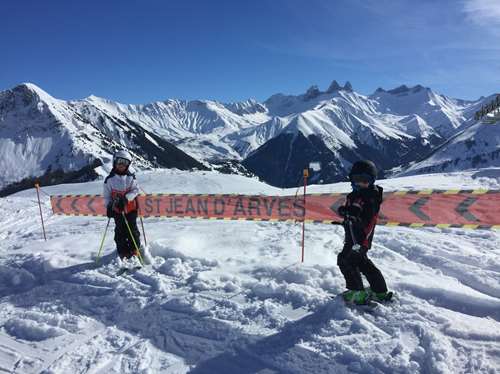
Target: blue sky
230 50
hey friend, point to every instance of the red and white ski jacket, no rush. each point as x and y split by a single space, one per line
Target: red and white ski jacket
121 185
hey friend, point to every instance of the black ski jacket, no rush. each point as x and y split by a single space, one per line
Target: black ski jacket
361 209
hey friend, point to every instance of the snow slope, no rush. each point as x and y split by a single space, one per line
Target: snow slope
197 127
40 135
474 147
231 297
37 134
444 114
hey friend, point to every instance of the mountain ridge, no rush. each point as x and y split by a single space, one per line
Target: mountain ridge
45 138
392 127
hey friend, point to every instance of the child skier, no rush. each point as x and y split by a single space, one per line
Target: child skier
120 191
360 214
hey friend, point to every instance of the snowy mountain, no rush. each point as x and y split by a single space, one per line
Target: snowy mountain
56 141
275 140
474 144
442 114
340 126
474 147
232 297
204 129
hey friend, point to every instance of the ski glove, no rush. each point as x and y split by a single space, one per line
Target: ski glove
342 211
120 202
357 255
350 212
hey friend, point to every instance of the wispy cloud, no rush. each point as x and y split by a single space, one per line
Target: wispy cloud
393 42
483 12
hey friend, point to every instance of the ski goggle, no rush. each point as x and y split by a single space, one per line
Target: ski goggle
122 161
361 178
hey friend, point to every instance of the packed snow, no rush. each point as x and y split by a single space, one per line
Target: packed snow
233 297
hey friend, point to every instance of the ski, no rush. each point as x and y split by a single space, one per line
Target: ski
123 271
370 304
367 307
389 299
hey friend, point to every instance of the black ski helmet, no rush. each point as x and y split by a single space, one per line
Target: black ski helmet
364 167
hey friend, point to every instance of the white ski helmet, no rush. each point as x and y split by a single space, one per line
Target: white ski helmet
122 154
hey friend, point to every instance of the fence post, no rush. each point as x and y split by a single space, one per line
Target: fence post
306 174
37 186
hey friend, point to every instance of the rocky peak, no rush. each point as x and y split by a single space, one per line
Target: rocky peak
334 86
23 95
312 93
399 90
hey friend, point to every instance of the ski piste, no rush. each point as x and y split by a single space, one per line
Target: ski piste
181 310
125 270
423 208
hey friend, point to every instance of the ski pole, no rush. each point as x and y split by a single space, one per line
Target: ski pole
133 239
142 222
102 242
356 246
143 232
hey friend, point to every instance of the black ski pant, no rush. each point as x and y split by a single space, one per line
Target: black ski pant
353 263
124 243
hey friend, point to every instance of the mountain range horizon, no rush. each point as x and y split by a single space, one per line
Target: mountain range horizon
333 86
274 139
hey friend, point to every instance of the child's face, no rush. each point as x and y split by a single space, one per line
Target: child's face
361 184
121 167
360 181
121 164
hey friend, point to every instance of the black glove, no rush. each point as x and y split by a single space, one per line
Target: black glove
342 211
357 255
354 211
109 210
352 219
119 203
349 212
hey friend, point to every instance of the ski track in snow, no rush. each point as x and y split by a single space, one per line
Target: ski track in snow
231 297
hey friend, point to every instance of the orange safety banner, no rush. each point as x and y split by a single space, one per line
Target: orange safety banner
428 208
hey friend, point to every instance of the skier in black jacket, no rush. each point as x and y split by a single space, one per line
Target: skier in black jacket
360 214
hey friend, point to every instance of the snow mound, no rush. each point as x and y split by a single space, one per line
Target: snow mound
31 330
14 280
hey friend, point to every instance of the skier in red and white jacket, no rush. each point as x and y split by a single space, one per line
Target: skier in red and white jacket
120 192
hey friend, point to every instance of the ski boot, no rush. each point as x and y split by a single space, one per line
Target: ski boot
356 297
380 297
